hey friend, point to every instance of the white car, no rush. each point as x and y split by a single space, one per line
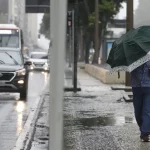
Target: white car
39 61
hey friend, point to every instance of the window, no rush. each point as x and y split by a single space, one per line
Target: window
9 41
39 56
9 38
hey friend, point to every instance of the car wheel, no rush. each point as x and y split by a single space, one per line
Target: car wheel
23 94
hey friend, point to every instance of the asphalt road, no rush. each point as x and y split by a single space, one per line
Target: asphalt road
14 112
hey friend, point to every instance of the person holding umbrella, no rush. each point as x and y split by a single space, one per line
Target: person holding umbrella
131 53
140 82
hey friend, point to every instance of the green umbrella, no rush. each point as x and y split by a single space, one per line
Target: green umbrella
131 50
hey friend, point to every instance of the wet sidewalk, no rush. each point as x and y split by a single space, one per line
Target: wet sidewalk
97 118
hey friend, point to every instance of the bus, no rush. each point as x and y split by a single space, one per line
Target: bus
11 36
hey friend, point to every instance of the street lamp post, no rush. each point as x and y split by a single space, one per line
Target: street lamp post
129 25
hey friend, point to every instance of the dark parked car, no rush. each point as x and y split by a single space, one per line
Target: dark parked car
13 72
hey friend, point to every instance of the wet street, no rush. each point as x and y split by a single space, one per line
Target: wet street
14 112
98 118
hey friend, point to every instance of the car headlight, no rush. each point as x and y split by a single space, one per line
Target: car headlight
31 67
46 64
21 72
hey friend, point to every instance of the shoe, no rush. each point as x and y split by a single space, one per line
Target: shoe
145 138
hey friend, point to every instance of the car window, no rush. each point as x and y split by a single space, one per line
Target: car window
39 56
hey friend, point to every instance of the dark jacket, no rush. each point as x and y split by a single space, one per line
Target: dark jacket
140 77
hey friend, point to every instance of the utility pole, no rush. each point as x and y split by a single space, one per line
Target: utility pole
129 25
96 28
58 17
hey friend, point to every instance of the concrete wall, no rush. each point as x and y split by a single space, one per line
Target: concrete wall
4 11
104 75
33 27
3 18
27 22
4 6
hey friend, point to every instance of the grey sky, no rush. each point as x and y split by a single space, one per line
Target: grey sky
142 16
122 13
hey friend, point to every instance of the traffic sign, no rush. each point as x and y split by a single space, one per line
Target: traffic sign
69 19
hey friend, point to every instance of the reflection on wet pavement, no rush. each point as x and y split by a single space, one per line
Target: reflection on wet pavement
85 123
14 112
97 118
20 108
89 113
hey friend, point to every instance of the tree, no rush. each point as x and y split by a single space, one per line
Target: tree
107 10
44 27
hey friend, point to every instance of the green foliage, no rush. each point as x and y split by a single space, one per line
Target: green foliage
44 28
91 18
108 9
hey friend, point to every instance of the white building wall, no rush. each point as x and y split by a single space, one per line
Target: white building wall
3 18
33 27
13 11
27 22
117 32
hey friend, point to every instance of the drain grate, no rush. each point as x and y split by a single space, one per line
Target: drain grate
43 138
41 126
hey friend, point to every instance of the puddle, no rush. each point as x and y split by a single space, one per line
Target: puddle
100 121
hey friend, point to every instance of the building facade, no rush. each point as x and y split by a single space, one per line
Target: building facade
116 28
3 11
27 22
3 18
33 27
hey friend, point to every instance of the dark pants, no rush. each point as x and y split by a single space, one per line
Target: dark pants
141 102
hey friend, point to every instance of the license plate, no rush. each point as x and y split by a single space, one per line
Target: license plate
39 65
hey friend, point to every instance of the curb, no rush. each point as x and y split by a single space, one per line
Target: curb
125 88
23 141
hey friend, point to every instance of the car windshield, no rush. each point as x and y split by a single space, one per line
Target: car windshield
10 58
9 41
39 56
9 38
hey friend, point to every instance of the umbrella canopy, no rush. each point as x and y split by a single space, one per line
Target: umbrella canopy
131 50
